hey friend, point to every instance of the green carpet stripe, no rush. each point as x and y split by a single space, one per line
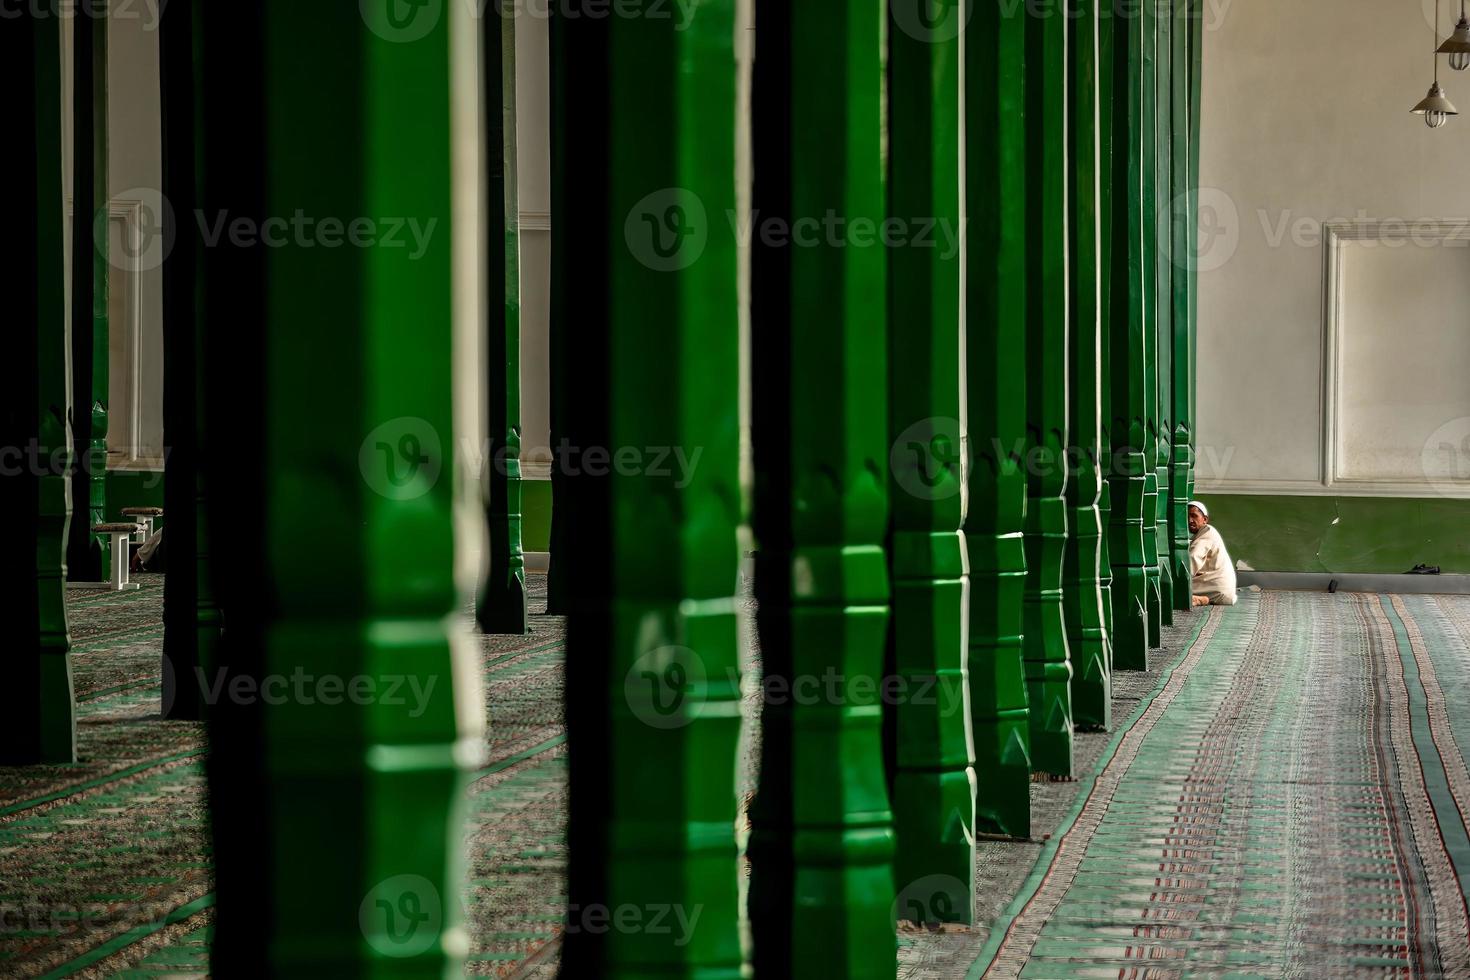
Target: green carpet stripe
520 757
121 942
1049 849
109 641
62 794
549 645
95 695
1446 813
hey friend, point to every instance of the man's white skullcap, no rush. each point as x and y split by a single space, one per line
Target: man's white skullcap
1202 508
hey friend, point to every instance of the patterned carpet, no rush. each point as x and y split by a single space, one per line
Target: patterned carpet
1285 795
104 865
1290 803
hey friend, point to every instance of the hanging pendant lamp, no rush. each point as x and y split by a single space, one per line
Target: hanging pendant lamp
1435 107
1457 45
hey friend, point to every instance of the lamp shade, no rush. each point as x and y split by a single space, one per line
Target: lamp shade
1457 45
1436 105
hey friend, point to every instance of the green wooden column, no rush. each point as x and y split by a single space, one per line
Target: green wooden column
337 741
1081 581
995 397
191 616
562 339
1127 472
822 889
1163 231
37 716
645 164
1148 134
1105 176
501 604
1048 664
1195 27
932 776
1181 479
87 554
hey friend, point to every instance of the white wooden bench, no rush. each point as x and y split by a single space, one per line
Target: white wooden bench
119 533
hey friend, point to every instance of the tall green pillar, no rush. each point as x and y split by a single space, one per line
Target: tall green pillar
995 399
1194 26
501 604
87 555
822 888
1081 581
191 616
1181 478
1106 96
932 776
1163 231
337 741
37 716
1147 133
1048 663
1128 549
645 164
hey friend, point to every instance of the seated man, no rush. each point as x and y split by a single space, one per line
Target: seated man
150 554
1209 562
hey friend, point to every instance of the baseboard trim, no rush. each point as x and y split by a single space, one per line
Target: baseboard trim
538 561
1358 582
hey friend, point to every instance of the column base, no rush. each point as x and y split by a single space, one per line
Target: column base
934 861
1050 693
1003 788
1155 613
1092 688
1130 618
502 610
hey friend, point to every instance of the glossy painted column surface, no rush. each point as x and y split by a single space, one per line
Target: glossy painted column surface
37 716
1105 108
191 616
932 779
995 396
1163 334
1195 26
645 162
1081 583
88 555
501 604
1048 665
347 707
822 898
1126 354
1181 479
1147 134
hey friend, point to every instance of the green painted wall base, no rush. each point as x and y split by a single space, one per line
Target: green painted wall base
134 488
1280 533
535 515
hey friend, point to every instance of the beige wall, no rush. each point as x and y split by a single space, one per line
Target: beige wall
1305 121
533 151
135 174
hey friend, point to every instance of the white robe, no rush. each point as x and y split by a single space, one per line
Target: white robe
1211 567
